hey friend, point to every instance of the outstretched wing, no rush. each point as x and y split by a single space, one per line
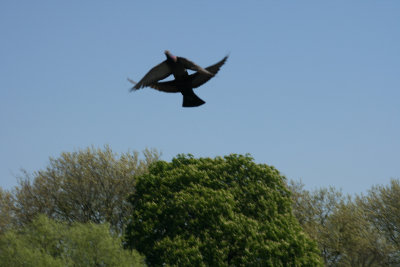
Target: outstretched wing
159 72
198 78
187 64
167 87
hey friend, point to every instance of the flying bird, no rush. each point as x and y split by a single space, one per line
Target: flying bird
183 82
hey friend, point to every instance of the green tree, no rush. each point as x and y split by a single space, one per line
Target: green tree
216 212
45 242
6 216
341 227
382 208
89 185
313 211
354 240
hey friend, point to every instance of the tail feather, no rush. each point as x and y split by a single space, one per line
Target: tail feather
190 99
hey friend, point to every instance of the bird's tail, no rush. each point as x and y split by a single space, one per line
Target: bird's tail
190 99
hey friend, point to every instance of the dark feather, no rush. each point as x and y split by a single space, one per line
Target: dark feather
159 72
167 87
187 64
199 79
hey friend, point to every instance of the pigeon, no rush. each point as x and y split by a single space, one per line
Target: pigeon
183 82
172 65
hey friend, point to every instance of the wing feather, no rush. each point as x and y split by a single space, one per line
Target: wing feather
187 64
200 78
157 73
167 87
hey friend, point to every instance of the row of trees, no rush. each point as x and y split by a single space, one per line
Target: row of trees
91 185
362 230
93 207
74 212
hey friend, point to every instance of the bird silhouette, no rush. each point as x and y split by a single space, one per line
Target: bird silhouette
183 82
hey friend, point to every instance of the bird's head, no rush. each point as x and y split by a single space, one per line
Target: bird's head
170 56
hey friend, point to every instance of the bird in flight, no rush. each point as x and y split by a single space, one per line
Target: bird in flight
183 82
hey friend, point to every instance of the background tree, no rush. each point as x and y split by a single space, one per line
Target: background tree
89 185
45 242
357 243
216 212
382 208
6 216
344 232
313 211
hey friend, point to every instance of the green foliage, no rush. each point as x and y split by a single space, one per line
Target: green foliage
383 206
45 242
313 210
90 185
382 209
6 217
343 228
216 212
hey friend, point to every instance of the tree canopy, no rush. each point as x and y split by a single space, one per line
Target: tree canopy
216 212
45 242
90 185
222 211
6 205
349 232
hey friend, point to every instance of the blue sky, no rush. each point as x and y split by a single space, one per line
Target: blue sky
310 87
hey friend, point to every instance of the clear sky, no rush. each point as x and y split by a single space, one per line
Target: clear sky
310 87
